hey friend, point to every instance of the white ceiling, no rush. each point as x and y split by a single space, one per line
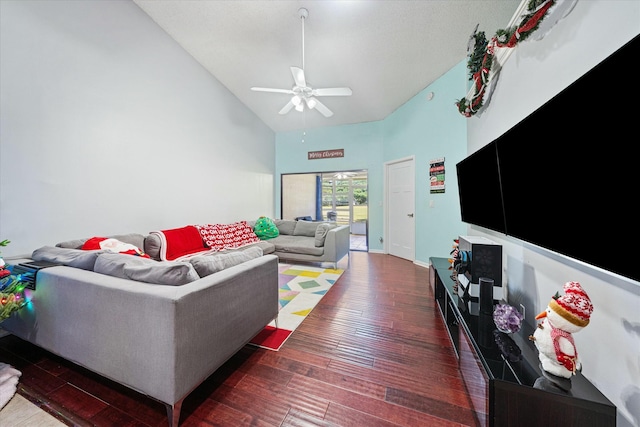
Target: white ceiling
385 51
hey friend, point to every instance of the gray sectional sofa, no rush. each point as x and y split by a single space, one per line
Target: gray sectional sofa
160 340
162 327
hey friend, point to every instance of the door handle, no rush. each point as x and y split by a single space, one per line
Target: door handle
410 215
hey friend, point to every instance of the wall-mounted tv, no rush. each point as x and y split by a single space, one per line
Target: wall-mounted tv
568 174
479 189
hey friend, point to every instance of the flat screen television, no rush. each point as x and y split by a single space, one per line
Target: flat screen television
479 189
568 173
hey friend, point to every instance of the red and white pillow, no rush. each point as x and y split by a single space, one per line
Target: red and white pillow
227 236
113 245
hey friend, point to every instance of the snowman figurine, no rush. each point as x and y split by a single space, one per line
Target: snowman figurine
553 337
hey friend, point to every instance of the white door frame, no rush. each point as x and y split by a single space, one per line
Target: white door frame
385 233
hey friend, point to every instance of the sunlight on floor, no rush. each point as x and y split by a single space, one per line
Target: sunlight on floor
20 412
358 242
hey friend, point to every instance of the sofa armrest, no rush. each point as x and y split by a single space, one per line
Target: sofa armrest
336 244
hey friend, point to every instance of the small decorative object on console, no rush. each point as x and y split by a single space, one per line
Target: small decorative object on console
553 337
454 252
507 318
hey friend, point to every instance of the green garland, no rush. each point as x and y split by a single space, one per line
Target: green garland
477 56
481 59
479 64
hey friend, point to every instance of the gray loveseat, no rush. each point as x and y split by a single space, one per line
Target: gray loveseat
307 241
161 340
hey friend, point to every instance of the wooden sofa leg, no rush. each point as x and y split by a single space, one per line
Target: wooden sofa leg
173 413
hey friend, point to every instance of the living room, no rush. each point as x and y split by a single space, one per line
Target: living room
108 126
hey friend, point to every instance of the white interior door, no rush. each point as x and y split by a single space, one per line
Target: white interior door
400 185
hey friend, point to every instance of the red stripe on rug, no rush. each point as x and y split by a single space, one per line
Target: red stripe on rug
271 338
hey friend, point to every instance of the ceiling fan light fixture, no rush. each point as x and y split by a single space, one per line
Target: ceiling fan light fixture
311 103
302 91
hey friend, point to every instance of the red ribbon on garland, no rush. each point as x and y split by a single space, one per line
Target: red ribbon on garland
481 77
526 27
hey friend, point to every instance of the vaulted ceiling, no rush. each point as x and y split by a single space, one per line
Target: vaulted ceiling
385 51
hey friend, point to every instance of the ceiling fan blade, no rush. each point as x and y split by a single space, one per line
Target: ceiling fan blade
286 108
268 89
298 76
323 109
333 91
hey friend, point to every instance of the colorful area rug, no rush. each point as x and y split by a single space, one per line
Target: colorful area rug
301 288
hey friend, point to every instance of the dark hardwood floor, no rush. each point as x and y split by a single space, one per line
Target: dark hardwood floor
374 352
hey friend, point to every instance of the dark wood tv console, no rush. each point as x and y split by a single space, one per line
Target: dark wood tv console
502 390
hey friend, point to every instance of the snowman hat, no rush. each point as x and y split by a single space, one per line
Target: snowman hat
574 306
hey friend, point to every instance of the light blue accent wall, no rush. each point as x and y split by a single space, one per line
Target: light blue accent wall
362 144
430 129
425 129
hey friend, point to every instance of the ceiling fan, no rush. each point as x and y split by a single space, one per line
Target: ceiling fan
302 93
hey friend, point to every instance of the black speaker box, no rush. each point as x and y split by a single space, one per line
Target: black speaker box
486 258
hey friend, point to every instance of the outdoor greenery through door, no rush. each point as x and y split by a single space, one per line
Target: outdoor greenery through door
334 196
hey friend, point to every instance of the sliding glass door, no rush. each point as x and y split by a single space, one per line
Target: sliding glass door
329 196
344 199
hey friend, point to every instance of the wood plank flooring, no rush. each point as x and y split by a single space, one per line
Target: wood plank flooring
373 352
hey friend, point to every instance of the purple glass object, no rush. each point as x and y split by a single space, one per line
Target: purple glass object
507 318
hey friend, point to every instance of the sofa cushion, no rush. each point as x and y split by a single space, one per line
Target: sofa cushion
178 243
152 244
134 239
285 226
209 264
66 256
321 233
266 247
305 228
297 245
145 269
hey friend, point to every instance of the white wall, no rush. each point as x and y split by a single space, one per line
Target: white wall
609 346
108 126
299 195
